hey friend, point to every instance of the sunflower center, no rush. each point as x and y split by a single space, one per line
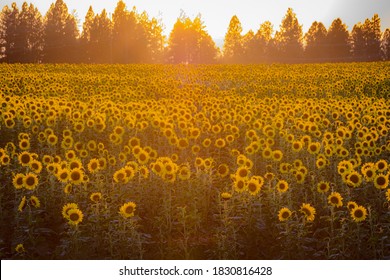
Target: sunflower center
285 214
74 217
76 176
354 179
381 181
334 200
129 209
358 213
30 181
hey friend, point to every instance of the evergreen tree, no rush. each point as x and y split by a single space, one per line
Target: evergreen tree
316 49
100 40
10 52
337 42
233 48
60 34
85 40
289 38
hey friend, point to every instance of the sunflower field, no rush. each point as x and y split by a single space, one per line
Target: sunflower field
195 162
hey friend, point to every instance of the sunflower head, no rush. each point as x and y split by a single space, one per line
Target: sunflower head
335 199
75 216
359 213
309 211
34 201
127 209
284 214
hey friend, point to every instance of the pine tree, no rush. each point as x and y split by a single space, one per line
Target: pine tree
232 48
315 38
337 42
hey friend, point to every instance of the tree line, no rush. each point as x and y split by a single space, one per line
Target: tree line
129 36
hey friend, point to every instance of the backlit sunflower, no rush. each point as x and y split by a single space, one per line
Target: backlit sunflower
309 211
75 216
240 184
223 170
284 214
127 209
359 213
184 173
335 199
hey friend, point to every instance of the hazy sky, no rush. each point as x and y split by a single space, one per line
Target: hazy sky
216 14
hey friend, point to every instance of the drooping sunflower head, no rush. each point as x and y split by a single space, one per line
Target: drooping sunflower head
127 209
284 214
309 211
22 204
34 201
20 249
226 196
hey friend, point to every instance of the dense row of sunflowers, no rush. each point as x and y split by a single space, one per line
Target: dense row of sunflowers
220 162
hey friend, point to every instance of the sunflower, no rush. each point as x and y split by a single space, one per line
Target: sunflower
369 172
67 207
75 216
95 197
354 179
388 194
206 142
93 165
351 205
20 249
254 185
223 170
282 186
63 174
359 213
242 172
335 199
240 184
143 157
297 146
52 139
18 181
30 181
381 165
68 188
144 172
220 143
120 176
76 176
284 214
24 144
323 187
184 173
226 196
25 158
309 211
34 201
22 204
127 209
277 155
381 181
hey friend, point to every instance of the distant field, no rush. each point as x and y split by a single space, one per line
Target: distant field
195 162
